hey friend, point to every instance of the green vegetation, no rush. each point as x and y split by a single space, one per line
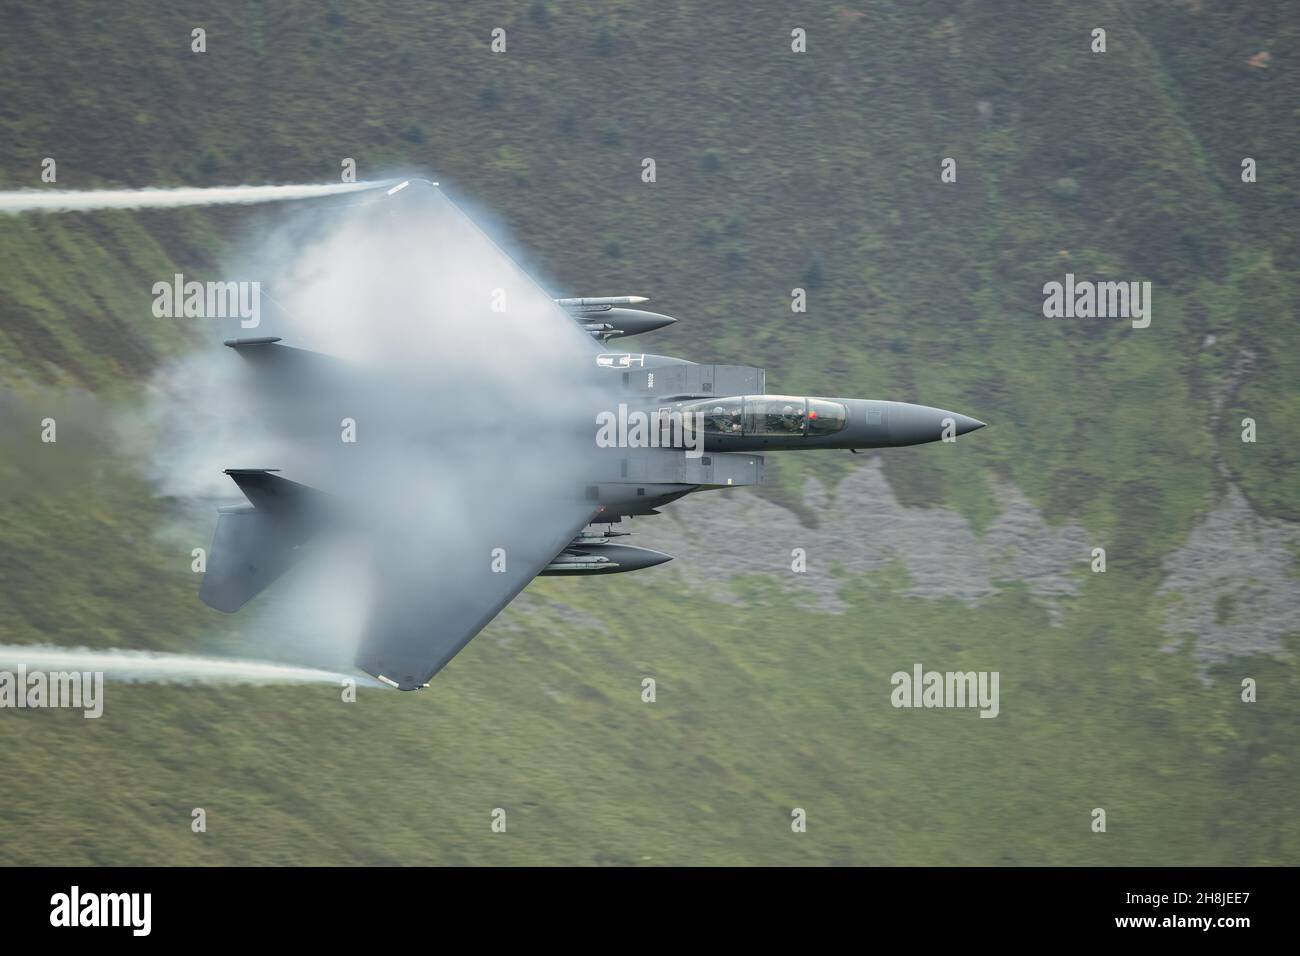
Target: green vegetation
775 170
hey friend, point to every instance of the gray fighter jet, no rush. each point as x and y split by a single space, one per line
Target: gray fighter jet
611 434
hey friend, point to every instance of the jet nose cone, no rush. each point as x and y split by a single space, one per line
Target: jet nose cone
918 424
656 558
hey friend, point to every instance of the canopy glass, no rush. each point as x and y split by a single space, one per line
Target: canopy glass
770 416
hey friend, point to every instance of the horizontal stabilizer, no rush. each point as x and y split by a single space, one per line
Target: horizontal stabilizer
253 546
267 491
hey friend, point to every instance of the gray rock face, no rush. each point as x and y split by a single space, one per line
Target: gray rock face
719 535
1234 583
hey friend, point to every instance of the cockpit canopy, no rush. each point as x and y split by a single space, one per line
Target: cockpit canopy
769 416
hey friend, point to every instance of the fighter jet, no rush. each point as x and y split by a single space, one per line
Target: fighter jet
621 434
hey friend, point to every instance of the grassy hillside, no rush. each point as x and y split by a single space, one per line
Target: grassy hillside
775 171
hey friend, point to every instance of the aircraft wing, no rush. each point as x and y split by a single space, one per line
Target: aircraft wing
429 600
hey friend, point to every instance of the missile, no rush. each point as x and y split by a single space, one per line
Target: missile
597 537
600 302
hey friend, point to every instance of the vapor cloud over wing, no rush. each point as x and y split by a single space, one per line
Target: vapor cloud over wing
443 403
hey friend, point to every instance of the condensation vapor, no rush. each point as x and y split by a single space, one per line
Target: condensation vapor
54 200
468 388
156 668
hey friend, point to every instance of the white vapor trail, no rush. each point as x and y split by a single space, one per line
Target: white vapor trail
154 668
35 200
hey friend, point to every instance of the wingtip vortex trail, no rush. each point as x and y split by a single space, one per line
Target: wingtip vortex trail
65 200
134 666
